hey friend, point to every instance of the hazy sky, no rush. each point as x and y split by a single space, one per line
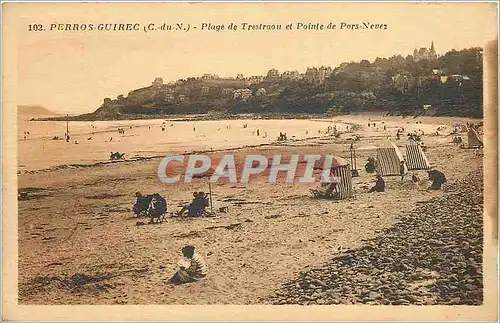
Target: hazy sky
74 71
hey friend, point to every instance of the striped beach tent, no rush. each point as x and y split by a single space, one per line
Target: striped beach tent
389 159
415 157
342 171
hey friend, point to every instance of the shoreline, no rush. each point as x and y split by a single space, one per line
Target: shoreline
353 121
223 117
142 158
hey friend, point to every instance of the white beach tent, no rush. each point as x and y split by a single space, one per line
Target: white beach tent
473 139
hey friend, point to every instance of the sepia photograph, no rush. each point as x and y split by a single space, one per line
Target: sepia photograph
331 157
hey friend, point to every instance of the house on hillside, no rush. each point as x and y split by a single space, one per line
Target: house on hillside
255 79
290 75
107 102
273 74
317 75
242 94
323 73
169 97
260 93
158 82
402 82
206 77
168 94
227 91
437 71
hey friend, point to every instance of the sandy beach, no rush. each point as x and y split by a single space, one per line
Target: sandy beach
79 220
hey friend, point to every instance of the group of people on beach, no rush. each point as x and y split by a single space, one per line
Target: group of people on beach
437 177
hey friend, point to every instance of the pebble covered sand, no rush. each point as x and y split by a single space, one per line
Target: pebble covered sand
433 255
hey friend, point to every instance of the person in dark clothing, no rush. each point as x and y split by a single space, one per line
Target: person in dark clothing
197 205
437 178
141 205
379 185
402 170
414 178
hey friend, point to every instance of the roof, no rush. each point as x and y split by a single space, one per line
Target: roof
339 161
336 162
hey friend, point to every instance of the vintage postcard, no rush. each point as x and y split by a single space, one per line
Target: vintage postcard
250 161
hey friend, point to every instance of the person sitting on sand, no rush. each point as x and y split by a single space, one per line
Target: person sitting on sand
414 178
437 178
379 185
187 206
141 204
116 155
197 205
423 146
192 267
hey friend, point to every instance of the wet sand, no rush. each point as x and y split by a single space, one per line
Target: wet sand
145 138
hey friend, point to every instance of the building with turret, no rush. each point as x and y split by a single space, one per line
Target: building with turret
425 53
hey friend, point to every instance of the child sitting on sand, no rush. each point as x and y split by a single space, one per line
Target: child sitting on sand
192 267
379 185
